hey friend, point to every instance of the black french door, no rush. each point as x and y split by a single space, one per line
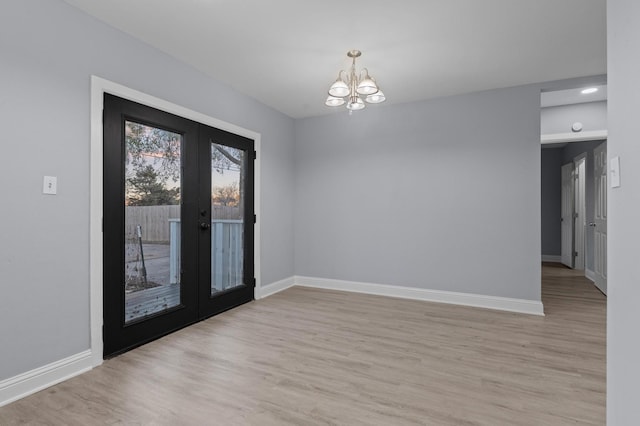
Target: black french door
178 222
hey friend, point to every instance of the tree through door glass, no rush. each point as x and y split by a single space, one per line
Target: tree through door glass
152 220
227 217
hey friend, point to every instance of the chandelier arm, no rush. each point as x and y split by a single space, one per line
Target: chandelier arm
345 76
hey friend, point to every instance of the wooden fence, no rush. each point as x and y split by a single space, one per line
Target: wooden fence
154 220
225 213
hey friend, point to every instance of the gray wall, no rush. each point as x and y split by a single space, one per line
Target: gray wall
623 315
442 194
551 191
49 50
559 119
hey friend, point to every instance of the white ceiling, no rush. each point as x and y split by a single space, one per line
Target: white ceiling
285 53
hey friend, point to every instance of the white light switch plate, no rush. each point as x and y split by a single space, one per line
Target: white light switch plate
50 185
615 172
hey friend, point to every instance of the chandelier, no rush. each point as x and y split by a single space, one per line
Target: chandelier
350 86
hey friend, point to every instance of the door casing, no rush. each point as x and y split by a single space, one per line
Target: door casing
100 86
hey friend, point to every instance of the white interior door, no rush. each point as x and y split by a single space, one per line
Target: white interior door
566 226
579 223
600 217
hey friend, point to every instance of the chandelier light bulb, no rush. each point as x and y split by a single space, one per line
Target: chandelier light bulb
333 101
339 89
367 86
355 103
375 98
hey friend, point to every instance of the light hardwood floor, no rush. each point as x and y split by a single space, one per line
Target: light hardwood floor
307 356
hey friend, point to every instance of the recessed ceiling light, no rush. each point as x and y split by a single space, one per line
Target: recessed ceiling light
589 90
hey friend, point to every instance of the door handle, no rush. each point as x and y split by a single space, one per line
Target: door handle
204 225
592 224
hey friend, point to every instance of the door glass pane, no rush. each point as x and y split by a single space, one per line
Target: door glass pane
152 220
227 217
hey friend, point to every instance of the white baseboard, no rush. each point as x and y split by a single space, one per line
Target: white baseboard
273 288
551 258
523 306
589 274
24 384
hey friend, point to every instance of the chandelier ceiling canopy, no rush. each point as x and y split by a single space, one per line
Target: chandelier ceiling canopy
350 87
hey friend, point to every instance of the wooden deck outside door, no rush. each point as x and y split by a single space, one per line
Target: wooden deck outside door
170 259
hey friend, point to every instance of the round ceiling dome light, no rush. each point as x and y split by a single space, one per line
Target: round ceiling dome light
589 90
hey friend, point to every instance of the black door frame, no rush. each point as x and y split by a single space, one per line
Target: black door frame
192 309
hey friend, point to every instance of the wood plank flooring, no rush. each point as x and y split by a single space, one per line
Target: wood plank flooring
317 357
